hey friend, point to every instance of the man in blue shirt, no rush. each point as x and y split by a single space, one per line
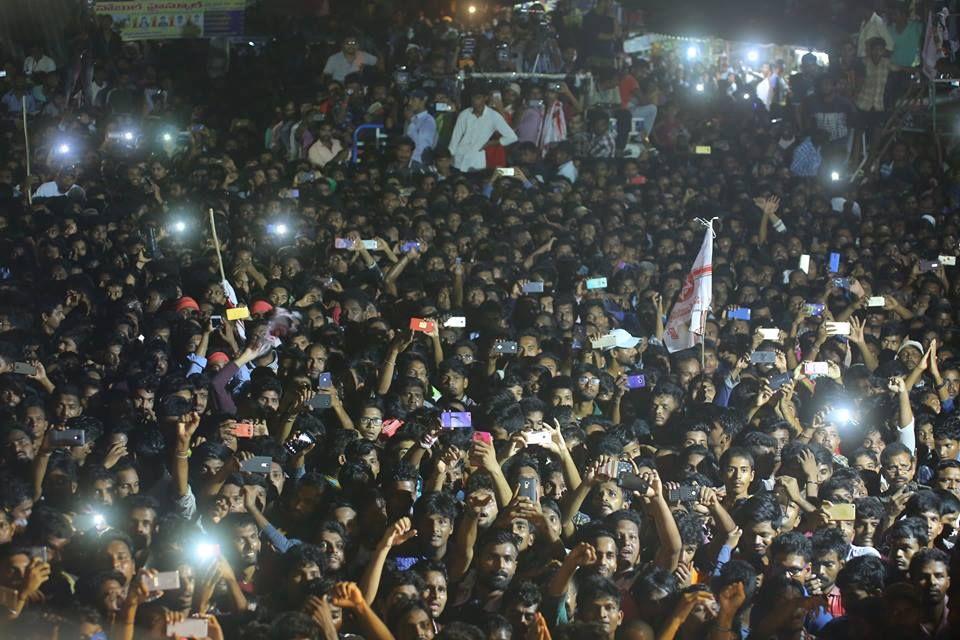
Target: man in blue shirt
421 127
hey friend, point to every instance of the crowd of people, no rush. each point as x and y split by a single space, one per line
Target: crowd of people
258 381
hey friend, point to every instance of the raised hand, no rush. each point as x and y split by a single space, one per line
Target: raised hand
398 533
347 595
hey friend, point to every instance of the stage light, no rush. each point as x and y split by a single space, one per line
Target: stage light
692 53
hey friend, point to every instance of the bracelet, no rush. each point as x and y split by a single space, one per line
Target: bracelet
182 456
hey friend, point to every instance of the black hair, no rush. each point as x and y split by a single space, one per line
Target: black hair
864 572
907 528
791 542
829 539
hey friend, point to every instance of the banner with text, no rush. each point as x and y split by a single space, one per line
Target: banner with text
155 20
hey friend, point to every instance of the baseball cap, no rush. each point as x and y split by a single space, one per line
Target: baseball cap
623 339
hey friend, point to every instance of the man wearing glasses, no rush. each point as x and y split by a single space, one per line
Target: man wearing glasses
350 59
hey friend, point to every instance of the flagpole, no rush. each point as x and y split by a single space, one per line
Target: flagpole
26 144
703 315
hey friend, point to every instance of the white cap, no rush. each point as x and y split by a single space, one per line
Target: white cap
623 339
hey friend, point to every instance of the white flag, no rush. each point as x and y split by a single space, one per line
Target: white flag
689 314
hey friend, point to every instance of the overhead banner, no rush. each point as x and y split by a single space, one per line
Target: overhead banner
156 20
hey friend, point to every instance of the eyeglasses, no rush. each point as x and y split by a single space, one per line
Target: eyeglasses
589 380
371 421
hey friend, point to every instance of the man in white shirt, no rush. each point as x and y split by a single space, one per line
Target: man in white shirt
65 184
326 149
421 128
38 62
348 60
473 131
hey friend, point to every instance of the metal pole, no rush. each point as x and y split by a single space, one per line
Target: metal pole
26 144
216 246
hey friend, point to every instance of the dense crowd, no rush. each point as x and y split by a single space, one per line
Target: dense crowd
419 386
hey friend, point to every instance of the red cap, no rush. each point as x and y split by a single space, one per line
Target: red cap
261 306
218 357
187 303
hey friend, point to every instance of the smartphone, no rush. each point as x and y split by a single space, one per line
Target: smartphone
739 313
538 438
683 493
68 438
342 243
604 342
458 322
456 420
633 482
928 265
410 246
596 283
24 369
507 172
533 287
842 283
216 322
770 334
390 427
636 381
528 488
243 430
163 581
40 553
841 512
425 326
834 263
804 263
88 521
369 244
442 106
482 436
290 193
506 346
238 313
320 401
947 261
838 328
256 464
777 381
875 301
814 309
189 628
763 357
325 381
299 442
815 368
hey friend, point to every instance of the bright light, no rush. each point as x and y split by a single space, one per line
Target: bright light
746 96
128 135
206 551
98 520
179 226
841 416
700 87
251 43
753 55
472 9
63 149
167 137
692 53
280 229
835 176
